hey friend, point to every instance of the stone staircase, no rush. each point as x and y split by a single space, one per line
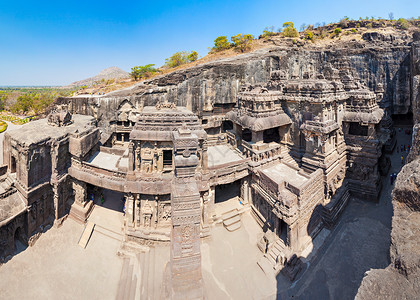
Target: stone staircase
287 158
273 261
127 286
232 220
141 276
332 210
7 183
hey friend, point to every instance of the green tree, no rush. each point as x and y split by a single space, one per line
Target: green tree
193 56
221 43
135 72
3 99
180 58
289 30
146 71
242 42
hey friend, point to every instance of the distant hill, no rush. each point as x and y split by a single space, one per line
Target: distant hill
109 73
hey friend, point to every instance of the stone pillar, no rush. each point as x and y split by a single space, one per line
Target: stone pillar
205 157
160 161
238 129
130 157
79 189
212 199
137 158
371 130
258 137
129 210
186 277
245 190
206 202
137 205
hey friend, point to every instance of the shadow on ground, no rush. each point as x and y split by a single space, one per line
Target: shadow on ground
359 242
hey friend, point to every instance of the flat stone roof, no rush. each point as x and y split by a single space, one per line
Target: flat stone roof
38 131
11 206
104 160
281 172
165 111
221 154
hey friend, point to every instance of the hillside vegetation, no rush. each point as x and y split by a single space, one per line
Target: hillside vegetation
30 100
309 36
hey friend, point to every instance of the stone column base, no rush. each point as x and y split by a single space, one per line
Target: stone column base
79 212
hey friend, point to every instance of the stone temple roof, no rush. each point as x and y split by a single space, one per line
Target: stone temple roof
364 117
259 123
38 131
158 124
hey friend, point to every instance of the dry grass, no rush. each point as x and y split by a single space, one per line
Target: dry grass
275 40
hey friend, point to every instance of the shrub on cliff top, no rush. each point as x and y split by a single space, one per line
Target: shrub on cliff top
146 71
402 23
309 35
221 43
193 56
180 58
242 42
337 31
289 30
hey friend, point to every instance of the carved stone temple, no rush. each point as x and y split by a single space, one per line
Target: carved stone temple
293 151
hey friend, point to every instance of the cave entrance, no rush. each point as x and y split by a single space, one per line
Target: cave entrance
227 125
282 231
403 119
167 159
19 242
247 135
225 192
271 135
357 129
13 164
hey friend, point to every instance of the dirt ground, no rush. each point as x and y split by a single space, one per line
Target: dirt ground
359 242
57 268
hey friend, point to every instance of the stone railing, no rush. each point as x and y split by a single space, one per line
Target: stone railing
270 151
8 193
228 172
120 128
231 138
116 175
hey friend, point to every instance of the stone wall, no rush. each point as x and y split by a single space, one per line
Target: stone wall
401 279
385 61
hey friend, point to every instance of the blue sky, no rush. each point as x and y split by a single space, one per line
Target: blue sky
58 42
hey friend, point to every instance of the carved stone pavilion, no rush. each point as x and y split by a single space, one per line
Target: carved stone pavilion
293 151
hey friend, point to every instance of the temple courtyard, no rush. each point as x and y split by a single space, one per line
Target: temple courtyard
57 267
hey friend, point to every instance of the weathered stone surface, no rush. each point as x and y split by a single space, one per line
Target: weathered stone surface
401 279
217 83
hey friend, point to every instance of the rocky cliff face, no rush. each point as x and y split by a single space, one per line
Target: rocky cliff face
376 59
401 279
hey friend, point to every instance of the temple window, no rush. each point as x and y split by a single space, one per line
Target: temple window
357 129
247 135
167 158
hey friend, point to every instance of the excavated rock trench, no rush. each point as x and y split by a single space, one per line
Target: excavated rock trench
360 242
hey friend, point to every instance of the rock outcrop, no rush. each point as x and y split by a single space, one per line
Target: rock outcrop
401 279
378 60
